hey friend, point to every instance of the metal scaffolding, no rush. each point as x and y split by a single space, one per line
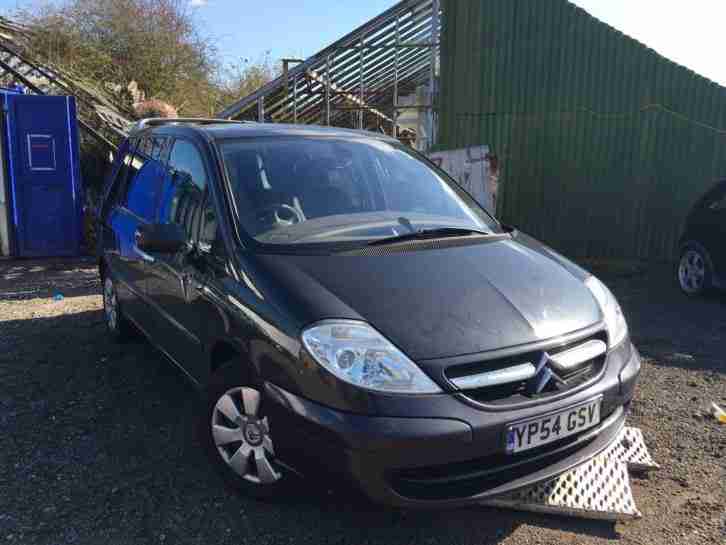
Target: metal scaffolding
360 80
99 115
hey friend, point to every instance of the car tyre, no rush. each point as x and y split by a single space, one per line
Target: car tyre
117 324
694 272
238 436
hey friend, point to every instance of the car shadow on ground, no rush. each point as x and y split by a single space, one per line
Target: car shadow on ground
104 444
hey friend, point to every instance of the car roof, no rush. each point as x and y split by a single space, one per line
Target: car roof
225 129
274 129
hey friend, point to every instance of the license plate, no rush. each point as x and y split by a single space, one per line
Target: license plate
542 430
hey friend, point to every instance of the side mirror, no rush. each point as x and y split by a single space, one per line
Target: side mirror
161 238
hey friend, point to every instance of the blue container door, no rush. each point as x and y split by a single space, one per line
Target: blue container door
42 149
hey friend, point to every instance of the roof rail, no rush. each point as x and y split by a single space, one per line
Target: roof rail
160 121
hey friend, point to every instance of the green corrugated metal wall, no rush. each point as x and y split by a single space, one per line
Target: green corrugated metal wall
604 144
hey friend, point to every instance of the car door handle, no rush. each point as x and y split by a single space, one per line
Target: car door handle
142 254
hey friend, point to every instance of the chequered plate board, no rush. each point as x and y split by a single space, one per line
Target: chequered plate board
598 489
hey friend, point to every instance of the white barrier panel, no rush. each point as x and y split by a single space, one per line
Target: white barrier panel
597 489
471 169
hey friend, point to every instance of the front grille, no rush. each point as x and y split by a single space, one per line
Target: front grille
465 479
525 390
440 483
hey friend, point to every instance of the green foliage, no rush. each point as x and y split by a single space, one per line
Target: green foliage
156 43
244 77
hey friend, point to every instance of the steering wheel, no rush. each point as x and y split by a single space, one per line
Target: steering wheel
290 216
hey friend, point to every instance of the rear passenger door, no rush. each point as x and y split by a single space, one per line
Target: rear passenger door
132 203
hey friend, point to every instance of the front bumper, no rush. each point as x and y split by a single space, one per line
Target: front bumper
453 455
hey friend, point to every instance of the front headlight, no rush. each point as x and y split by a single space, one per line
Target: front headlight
358 354
614 319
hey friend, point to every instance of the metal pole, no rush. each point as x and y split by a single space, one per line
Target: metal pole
294 101
261 109
327 90
285 68
362 58
395 77
435 7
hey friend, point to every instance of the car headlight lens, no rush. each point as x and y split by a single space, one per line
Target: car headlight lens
614 318
358 354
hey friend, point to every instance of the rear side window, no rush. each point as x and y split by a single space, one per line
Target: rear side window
144 181
145 145
152 146
119 180
158 146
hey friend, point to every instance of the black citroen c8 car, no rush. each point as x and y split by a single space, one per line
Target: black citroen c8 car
350 312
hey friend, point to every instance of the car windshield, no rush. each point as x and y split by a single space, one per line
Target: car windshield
341 190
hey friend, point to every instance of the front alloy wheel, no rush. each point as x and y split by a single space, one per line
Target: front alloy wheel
694 275
242 436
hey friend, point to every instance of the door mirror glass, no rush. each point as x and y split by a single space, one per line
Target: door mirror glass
167 238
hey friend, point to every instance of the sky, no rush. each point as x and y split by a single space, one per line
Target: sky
688 33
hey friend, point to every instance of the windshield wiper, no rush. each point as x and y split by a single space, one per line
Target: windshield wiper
428 234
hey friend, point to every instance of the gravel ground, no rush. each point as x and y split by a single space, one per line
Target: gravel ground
97 442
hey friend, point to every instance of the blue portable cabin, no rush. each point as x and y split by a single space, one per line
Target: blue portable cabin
41 176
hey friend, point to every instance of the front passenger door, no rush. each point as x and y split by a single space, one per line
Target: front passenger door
172 280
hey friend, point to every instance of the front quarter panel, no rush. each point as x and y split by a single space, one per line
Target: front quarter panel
267 319
266 322
535 245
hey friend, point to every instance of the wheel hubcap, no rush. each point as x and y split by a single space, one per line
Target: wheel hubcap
110 304
253 434
242 437
692 272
